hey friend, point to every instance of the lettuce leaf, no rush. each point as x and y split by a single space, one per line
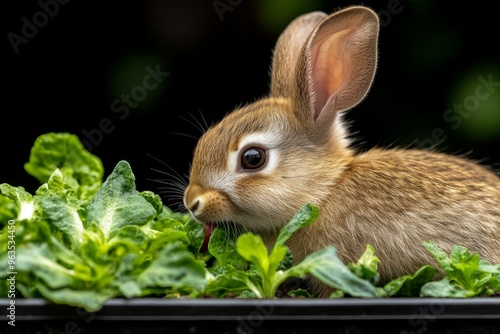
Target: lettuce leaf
117 203
327 267
222 245
59 205
410 285
8 209
367 265
81 170
174 267
466 274
24 205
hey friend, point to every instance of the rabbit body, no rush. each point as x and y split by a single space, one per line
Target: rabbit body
263 161
396 199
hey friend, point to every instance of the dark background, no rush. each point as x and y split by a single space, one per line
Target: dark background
83 58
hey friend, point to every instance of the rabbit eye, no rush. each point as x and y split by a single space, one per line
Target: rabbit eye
253 158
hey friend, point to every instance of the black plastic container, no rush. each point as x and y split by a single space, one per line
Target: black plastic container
226 316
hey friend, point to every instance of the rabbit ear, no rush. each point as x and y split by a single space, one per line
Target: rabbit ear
336 66
287 50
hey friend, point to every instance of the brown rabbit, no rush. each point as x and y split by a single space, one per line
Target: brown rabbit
262 162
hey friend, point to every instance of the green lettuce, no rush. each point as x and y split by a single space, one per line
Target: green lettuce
82 170
466 274
80 241
117 203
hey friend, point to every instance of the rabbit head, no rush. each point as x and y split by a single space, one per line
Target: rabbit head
262 162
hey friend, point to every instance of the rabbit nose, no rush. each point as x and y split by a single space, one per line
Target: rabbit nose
193 199
195 206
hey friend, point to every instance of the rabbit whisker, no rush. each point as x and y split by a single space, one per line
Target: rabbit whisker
201 126
185 135
171 187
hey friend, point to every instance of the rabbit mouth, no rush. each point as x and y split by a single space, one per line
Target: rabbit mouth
209 228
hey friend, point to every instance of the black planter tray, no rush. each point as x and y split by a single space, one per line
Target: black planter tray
226 316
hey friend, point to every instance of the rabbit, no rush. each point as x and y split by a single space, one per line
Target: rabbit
263 161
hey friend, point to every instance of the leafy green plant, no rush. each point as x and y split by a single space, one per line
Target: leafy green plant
269 272
81 241
466 274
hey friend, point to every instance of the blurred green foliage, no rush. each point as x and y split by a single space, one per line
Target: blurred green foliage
483 103
128 75
274 15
